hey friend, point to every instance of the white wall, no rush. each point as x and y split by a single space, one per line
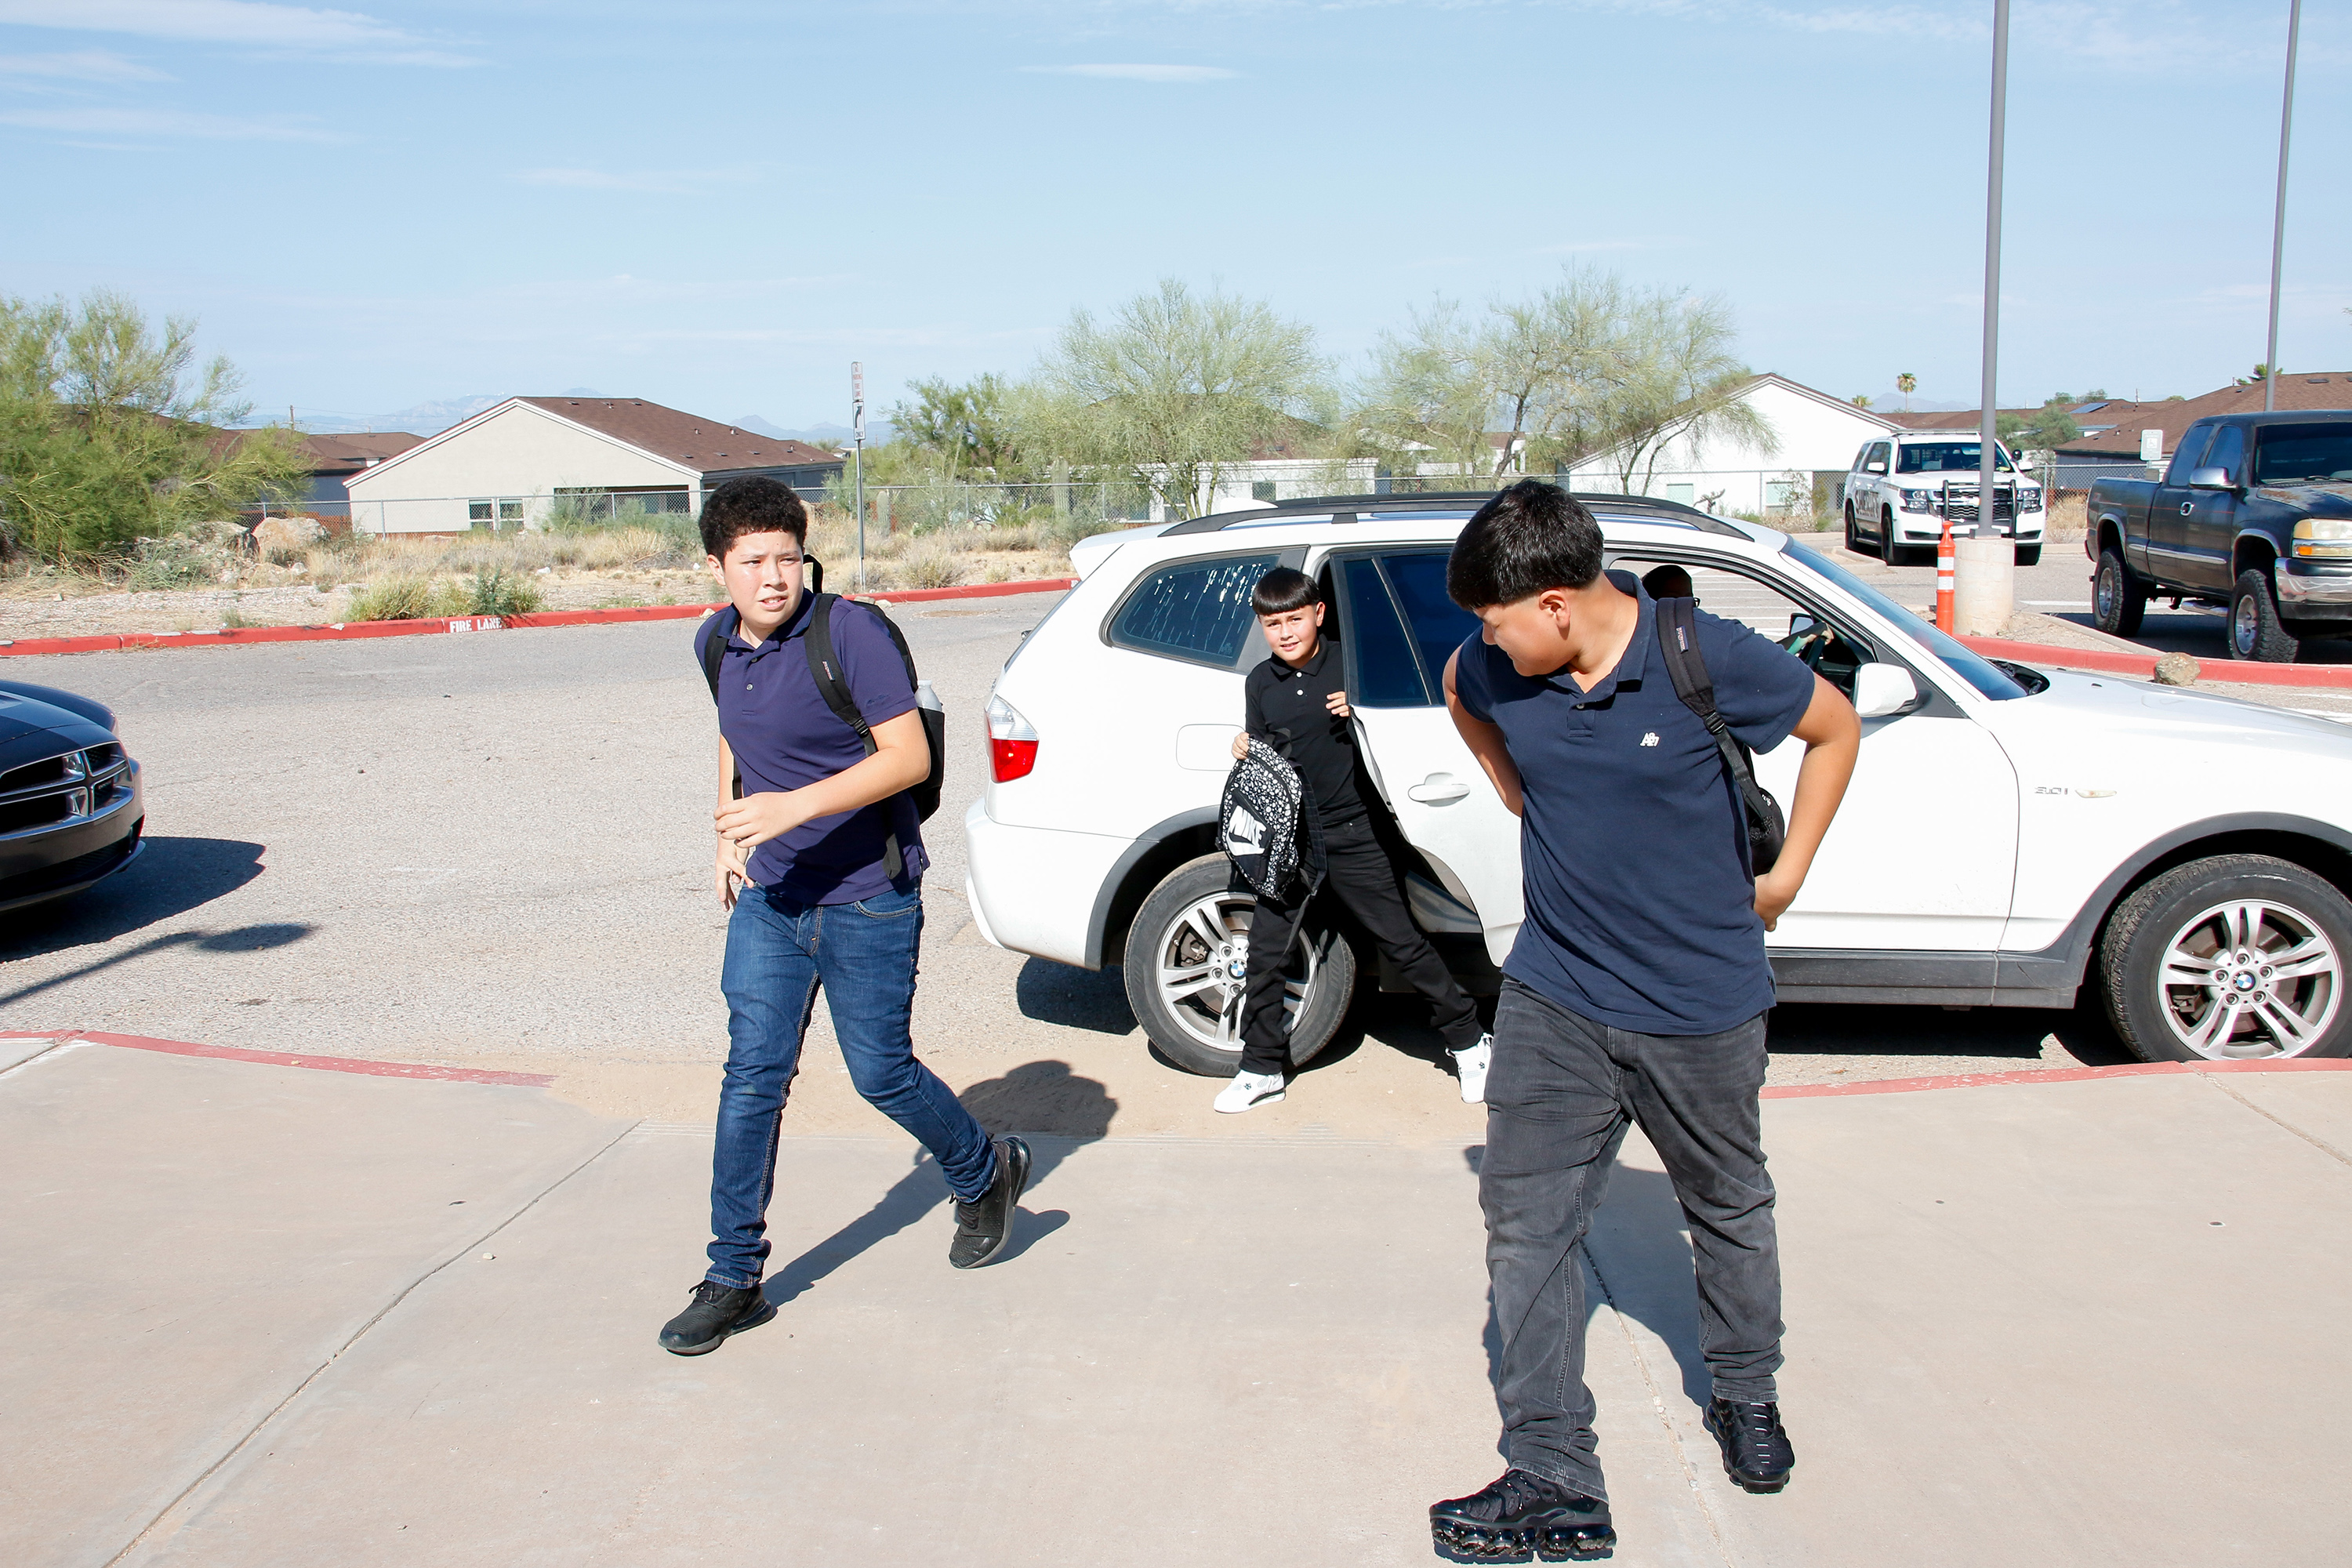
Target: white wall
1813 436
514 453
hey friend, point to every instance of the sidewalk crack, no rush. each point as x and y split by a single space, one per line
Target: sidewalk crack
1658 1404
2325 1147
163 1515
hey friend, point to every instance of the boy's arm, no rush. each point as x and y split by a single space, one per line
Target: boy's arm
1485 742
1832 738
1252 716
901 760
734 862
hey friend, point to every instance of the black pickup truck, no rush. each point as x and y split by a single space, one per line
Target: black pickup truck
2254 513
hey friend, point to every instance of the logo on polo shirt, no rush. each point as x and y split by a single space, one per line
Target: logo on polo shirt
1650 738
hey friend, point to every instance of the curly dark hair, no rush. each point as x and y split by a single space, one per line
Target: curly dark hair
751 505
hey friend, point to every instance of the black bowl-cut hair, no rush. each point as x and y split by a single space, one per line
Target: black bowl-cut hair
1283 590
1530 537
751 505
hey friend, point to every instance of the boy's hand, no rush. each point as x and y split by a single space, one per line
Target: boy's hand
1338 704
1774 894
1241 745
756 818
734 865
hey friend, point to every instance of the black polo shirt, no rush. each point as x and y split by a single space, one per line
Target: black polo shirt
1285 707
1634 847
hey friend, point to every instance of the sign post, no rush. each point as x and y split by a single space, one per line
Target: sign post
2278 213
1988 457
857 430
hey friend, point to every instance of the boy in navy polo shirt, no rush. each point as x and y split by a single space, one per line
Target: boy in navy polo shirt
803 864
1636 991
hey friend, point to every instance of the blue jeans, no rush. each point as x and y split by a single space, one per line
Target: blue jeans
863 955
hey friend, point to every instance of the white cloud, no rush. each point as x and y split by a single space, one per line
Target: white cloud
1139 72
162 123
88 65
252 24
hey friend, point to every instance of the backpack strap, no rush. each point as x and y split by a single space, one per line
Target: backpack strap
1678 642
824 667
723 623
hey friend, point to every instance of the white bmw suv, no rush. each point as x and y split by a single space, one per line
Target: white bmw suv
2184 857
1903 489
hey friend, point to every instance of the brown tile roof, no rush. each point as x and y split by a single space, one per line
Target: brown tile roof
1944 419
349 454
709 446
2317 389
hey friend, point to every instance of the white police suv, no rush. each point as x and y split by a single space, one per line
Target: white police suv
1903 488
2180 858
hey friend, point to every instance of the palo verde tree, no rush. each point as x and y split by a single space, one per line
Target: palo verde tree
966 428
108 433
1171 392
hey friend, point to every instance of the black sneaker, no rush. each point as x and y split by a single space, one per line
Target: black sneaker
982 1224
717 1311
1756 1450
1519 1514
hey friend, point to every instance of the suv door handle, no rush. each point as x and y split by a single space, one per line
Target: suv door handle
2187 507
1438 789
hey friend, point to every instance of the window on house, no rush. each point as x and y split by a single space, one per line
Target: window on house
1261 489
480 513
1683 493
509 514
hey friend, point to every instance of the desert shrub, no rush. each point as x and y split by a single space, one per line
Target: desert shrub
496 593
929 565
201 553
392 599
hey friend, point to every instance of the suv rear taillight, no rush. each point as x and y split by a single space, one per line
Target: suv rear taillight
1011 743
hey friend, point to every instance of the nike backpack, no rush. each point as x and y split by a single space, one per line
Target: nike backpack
1267 827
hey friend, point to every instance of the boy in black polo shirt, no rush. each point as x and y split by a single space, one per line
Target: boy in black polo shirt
1293 703
816 899
1636 991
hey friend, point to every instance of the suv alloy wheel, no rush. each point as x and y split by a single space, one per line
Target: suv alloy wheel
2238 957
1186 955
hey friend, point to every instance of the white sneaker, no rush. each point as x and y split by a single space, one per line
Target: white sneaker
1248 1091
1471 1065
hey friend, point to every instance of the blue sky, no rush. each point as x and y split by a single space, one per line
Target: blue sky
720 206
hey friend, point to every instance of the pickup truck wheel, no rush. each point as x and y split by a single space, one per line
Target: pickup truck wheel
1187 954
2238 957
2255 630
2118 599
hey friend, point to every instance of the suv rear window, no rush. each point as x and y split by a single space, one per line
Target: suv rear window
1198 611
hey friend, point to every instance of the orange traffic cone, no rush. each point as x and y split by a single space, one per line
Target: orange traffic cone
1943 579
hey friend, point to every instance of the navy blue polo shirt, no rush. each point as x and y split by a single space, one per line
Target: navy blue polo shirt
1640 911
784 737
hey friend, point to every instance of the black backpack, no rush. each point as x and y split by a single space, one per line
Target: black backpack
1268 826
824 666
1678 638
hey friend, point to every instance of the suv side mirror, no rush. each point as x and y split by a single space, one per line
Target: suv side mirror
2210 479
1874 466
1882 690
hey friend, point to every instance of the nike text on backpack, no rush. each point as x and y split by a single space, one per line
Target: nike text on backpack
824 666
1261 820
1678 639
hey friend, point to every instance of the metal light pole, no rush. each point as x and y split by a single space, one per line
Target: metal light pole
1990 419
857 428
2278 219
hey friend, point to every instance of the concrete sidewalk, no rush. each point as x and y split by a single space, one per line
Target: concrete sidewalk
265 1315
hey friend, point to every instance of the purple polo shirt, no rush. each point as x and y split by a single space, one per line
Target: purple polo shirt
784 737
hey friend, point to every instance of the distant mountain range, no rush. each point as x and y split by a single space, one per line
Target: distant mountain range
432 419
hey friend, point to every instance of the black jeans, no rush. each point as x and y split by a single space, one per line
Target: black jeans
1558 1095
1361 876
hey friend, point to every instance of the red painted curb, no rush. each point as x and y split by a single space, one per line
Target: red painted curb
2238 672
286 1059
2049 1075
343 631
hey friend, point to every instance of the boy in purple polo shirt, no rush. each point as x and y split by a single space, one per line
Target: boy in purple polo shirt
803 865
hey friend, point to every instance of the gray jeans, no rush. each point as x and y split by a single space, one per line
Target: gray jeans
1559 1094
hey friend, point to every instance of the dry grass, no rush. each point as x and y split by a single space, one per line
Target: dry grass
2069 515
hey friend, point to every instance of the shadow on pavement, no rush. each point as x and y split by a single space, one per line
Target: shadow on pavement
243 939
170 876
1053 1109
2004 1037
1076 998
2202 636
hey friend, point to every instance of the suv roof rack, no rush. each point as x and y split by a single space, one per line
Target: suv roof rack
1345 509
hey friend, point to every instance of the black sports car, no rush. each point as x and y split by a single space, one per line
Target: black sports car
70 808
